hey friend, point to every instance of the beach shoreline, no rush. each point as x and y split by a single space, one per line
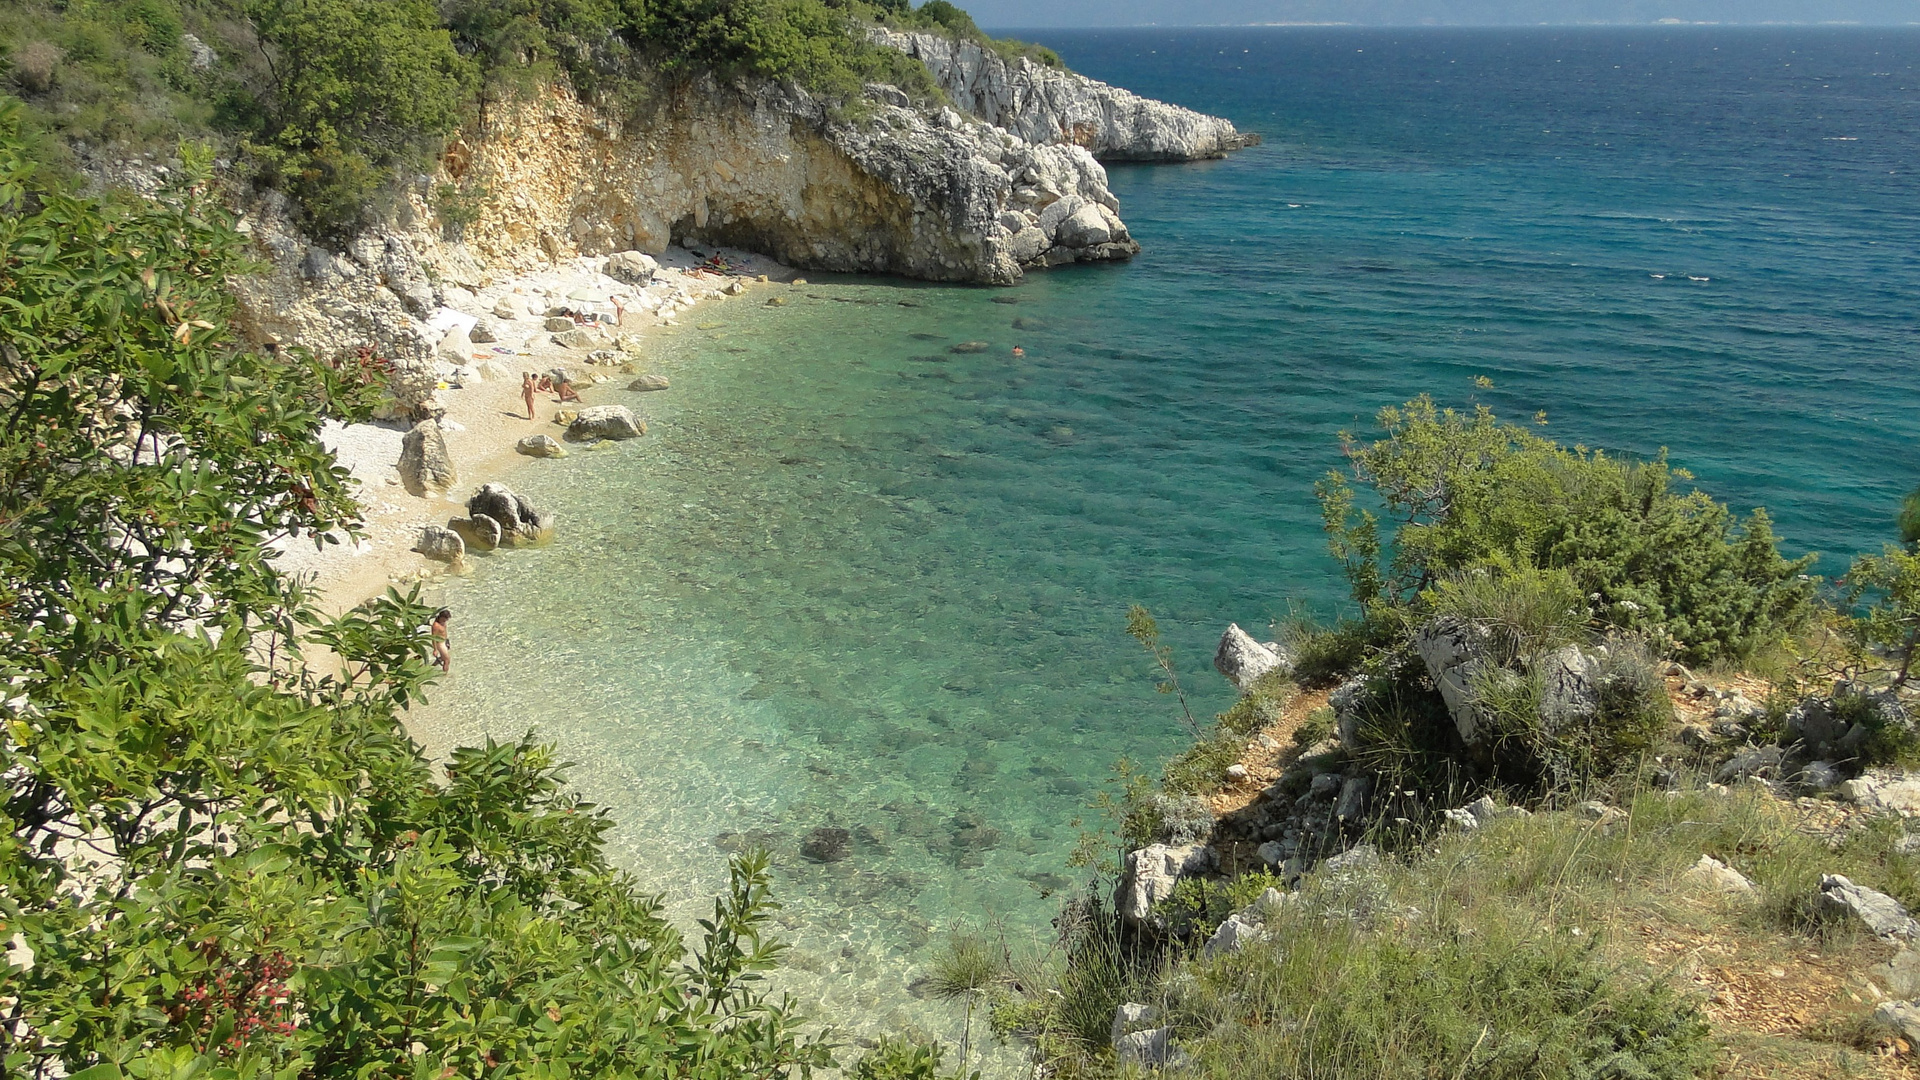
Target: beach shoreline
485 418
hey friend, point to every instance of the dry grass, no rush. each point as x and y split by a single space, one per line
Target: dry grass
1784 997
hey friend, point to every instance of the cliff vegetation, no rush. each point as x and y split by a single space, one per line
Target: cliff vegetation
340 103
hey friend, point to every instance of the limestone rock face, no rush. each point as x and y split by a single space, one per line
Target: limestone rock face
1152 1048
906 190
1242 659
1901 1016
1150 874
425 468
1569 691
1883 793
1047 105
1132 1016
605 422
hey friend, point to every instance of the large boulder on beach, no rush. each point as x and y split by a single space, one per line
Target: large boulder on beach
441 544
630 267
425 468
605 422
579 338
648 383
1243 660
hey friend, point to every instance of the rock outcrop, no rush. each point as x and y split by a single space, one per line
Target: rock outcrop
1150 875
1243 660
905 190
1042 104
443 545
1882 915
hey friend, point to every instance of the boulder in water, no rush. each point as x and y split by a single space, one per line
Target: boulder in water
441 544
605 422
542 446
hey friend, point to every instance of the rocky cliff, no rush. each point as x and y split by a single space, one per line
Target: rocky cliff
928 194
1047 105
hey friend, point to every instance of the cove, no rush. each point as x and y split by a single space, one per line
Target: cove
855 579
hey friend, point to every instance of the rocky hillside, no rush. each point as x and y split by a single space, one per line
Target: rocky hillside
1047 105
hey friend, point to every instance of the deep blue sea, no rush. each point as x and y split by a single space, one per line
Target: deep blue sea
852 579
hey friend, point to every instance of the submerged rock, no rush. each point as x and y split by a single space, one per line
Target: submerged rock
826 845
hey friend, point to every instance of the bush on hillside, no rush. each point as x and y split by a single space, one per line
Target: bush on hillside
1464 491
216 859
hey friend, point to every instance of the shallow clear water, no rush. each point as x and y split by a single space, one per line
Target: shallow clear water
855 579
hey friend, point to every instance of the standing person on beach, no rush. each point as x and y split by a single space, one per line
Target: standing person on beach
442 641
526 391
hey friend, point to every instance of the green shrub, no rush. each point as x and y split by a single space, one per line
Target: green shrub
898 1059
1891 739
1889 623
1325 656
1061 998
294 889
1465 491
1525 610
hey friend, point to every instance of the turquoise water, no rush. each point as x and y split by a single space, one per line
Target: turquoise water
855 579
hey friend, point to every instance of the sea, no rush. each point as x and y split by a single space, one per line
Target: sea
854 579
